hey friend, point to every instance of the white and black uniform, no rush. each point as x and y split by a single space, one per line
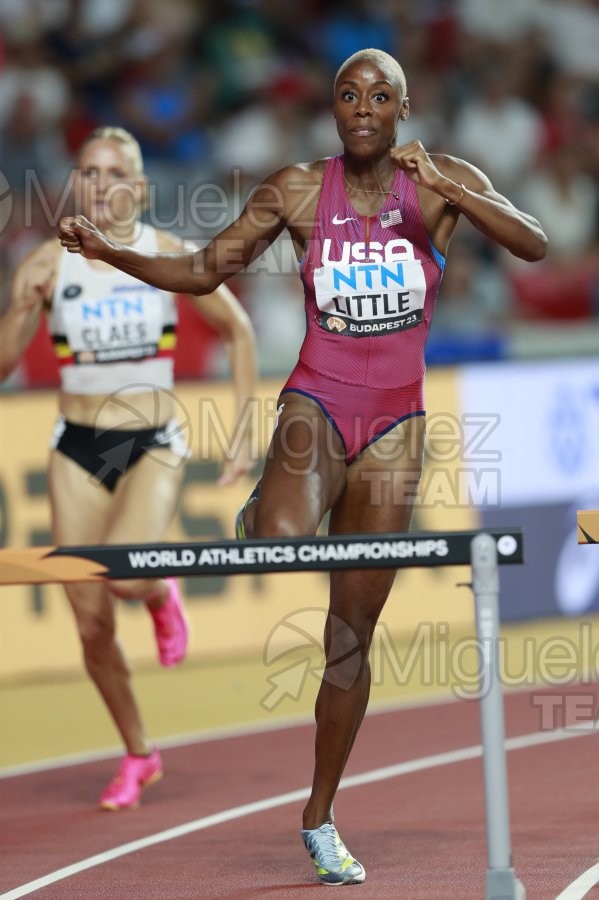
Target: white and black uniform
110 330
113 334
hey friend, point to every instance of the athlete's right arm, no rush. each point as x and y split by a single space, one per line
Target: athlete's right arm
31 290
193 272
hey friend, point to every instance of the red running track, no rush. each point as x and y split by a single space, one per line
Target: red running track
420 834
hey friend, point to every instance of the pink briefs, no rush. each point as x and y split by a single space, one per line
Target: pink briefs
359 414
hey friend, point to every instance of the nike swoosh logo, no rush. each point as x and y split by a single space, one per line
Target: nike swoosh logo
337 221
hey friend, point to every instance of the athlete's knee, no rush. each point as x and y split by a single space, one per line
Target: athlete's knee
279 522
351 626
136 589
346 637
96 633
93 614
346 654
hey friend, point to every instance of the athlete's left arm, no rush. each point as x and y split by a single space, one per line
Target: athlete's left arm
465 189
223 311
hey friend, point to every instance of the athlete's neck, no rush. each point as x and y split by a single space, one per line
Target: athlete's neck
123 234
369 175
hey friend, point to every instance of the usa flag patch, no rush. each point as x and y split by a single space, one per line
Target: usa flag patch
393 217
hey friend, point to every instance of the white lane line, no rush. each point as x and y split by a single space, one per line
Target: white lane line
212 734
178 740
238 812
582 885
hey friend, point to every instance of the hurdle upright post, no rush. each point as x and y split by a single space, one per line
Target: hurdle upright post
501 882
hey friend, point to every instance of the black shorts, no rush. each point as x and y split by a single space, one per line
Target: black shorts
107 455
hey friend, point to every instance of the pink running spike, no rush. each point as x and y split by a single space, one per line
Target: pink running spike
134 774
170 627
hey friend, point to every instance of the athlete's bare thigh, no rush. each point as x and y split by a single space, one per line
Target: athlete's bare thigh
305 470
382 482
137 511
81 508
379 497
145 498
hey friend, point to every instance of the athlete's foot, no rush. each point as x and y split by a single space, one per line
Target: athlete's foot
332 860
170 626
242 527
134 774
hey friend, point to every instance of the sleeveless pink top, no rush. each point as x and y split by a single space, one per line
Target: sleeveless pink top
370 285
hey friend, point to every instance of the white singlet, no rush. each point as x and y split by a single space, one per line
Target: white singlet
110 330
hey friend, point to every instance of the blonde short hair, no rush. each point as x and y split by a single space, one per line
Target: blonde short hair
122 136
382 61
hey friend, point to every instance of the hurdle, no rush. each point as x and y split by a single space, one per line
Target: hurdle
483 551
587 526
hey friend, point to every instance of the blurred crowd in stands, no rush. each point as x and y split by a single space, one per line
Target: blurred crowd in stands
221 92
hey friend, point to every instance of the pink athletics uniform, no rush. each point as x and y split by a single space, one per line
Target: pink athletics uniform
370 285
